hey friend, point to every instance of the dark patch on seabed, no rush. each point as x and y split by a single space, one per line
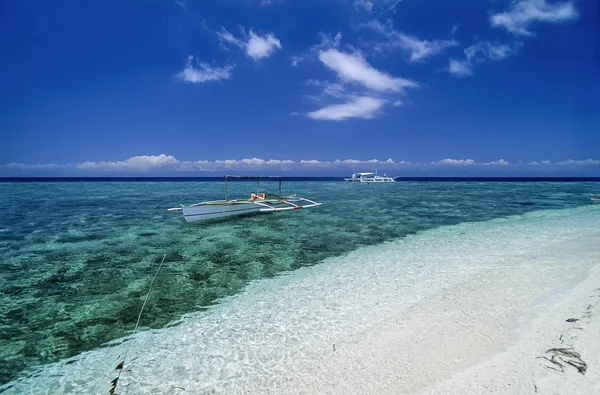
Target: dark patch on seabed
148 234
76 276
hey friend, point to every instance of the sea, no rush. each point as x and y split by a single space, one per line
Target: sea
78 257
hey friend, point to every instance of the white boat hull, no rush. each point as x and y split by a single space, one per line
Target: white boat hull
205 212
379 180
369 180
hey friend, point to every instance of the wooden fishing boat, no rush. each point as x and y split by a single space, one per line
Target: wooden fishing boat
258 203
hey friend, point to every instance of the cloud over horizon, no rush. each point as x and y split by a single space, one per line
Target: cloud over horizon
168 163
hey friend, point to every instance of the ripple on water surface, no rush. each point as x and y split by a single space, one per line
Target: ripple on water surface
77 258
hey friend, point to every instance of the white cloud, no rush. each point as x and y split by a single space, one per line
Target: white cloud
363 4
567 163
204 72
378 27
260 47
454 29
500 162
459 68
544 162
25 166
354 162
164 163
227 37
475 53
314 82
350 162
296 60
376 5
421 49
586 162
500 51
479 53
264 3
326 42
522 13
253 161
279 162
454 162
234 164
329 89
364 107
418 49
256 46
135 163
314 162
361 87
483 50
354 68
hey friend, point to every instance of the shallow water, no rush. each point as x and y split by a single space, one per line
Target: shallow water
77 258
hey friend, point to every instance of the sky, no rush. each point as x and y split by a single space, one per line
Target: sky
311 87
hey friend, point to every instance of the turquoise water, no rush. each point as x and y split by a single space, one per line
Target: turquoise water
77 258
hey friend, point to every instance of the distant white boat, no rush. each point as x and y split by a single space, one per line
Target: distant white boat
258 203
370 177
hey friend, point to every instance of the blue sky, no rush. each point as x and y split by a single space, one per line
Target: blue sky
411 87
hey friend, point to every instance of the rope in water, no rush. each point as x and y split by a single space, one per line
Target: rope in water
120 364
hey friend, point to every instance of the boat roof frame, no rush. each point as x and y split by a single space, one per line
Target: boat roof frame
253 178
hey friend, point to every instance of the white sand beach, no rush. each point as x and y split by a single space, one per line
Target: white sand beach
527 367
465 309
